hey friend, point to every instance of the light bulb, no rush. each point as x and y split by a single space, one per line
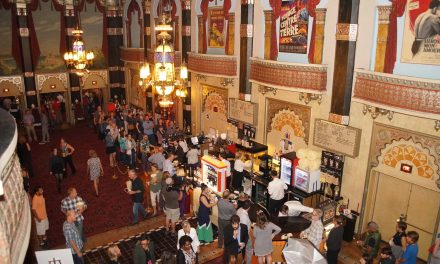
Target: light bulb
183 72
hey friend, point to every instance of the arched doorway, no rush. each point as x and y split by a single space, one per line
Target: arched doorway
54 97
413 193
94 93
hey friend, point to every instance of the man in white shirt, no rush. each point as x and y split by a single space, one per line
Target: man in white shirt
222 157
294 208
168 164
276 190
242 212
237 181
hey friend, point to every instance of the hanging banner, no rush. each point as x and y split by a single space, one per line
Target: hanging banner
216 24
421 33
294 19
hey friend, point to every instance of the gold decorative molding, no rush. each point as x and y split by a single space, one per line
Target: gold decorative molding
319 34
309 78
200 33
231 34
268 19
346 31
213 65
382 36
401 94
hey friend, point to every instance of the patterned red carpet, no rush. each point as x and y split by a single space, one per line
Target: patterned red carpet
112 209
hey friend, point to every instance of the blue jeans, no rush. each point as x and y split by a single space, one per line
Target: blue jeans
80 226
77 260
136 207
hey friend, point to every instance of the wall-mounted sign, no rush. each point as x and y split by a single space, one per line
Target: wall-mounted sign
245 112
337 138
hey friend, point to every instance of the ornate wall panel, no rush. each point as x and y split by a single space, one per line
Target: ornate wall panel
214 65
419 97
296 77
94 79
52 82
214 109
393 146
287 125
11 86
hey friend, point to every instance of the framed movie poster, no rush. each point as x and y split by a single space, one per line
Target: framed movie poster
216 28
421 33
294 19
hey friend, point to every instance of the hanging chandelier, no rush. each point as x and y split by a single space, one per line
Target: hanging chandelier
163 79
78 59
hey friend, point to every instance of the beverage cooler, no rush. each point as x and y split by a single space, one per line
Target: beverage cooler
307 181
288 163
213 173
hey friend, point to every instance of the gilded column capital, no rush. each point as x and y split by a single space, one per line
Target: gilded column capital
268 15
384 14
320 15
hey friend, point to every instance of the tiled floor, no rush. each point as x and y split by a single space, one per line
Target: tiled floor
161 241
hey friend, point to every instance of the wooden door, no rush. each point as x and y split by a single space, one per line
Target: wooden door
391 201
423 208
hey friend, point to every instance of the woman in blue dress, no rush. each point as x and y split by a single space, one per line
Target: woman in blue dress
204 227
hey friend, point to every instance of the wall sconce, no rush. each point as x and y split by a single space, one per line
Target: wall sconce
5 90
376 111
307 97
94 82
200 76
226 81
53 86
264 89
437 125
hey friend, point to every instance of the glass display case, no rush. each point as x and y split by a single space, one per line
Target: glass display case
307 181
259 194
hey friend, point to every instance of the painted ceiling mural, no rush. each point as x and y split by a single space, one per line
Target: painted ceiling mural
8 66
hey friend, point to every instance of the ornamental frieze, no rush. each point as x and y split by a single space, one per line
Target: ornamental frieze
414 95
213 65
309 78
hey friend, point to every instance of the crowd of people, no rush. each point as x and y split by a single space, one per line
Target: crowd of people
147 146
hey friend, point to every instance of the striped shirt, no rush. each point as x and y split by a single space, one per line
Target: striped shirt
71 233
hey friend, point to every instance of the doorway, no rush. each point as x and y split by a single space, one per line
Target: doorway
55 104
394 197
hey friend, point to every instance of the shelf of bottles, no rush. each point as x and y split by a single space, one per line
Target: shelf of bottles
213 173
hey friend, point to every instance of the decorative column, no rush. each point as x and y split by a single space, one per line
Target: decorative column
147 46
115 41
26 54
231 34
200 33
71 23
319 34
246 41
268 17
346 35
186 47
382 36
176 37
